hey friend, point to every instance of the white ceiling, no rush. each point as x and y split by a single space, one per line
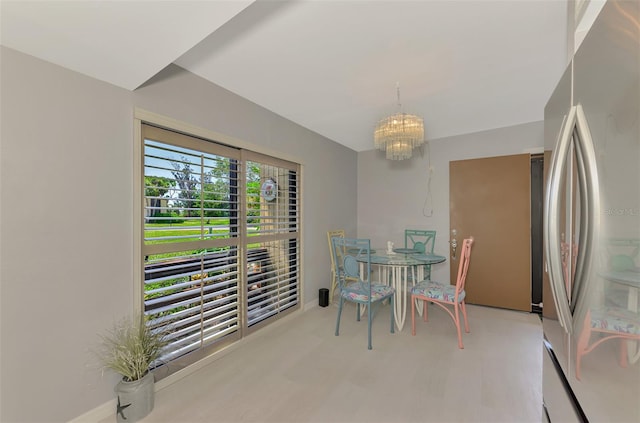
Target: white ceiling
331 66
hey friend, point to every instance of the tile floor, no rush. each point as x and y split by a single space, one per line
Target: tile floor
298 371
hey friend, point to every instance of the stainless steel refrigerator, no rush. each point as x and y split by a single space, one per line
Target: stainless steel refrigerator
591 370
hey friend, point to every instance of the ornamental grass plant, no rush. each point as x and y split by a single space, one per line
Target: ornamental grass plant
131 348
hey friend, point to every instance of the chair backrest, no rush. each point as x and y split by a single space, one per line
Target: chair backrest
463 267
330 235
421 240
350 254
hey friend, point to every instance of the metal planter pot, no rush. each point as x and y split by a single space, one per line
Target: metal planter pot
135 399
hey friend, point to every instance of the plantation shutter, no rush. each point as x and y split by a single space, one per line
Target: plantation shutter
221 248
191 240
273 223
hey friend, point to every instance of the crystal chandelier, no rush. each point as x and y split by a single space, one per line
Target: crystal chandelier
399 134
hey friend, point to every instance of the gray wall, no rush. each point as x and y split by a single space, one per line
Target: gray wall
392 195
66 216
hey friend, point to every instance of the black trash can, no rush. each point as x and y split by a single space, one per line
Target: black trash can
323 297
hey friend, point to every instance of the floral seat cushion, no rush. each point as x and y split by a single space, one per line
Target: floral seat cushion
616 320
358 292
437 291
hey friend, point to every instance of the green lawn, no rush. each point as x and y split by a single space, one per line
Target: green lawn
185 228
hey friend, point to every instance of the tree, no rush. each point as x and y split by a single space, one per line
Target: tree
188 185
253 189
218 192
155 189
215 190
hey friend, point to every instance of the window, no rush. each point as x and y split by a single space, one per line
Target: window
221 242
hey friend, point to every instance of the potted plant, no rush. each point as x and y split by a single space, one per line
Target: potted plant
132 349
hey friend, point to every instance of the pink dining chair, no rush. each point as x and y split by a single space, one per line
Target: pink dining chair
568 255
445 295
607 323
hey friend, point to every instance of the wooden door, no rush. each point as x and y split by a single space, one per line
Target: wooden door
490 200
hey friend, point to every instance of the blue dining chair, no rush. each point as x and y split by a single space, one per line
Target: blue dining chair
350 254
423 241
334 277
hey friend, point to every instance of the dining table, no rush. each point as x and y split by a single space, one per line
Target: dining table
397 268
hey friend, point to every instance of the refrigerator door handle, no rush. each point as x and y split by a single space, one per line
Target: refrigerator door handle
571 306
589 214
552 222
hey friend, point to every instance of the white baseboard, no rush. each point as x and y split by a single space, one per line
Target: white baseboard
99 413
311 304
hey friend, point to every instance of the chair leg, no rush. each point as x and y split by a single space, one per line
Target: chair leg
358 312
413 316
624 361
339 314
425 317
578 364
334 284
464 315
370 316
456 320
583 342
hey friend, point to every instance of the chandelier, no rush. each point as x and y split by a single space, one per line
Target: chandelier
399 134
